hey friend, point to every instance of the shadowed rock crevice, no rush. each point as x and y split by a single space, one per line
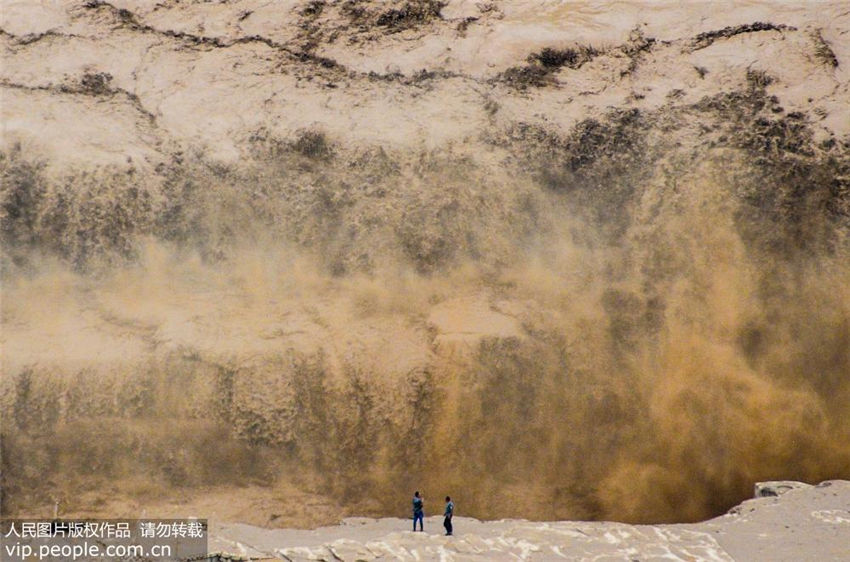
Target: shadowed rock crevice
129 20
90 84
707 38
32 38
541 67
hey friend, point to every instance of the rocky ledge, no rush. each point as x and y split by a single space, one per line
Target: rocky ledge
790 521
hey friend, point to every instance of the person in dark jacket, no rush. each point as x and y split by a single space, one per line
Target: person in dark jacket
447 516
418 510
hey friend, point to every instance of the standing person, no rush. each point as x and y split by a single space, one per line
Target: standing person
450 511
418 510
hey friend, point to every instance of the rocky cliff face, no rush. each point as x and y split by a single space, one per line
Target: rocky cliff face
561 261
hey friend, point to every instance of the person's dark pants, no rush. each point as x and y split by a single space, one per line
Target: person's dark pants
420 516
447 523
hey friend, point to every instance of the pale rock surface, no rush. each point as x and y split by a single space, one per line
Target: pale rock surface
803 523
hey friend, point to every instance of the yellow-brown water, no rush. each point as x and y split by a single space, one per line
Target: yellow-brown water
633 318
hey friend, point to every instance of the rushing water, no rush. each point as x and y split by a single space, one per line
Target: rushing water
634 318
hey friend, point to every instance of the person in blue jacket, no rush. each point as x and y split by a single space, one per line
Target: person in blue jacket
418 510
447 516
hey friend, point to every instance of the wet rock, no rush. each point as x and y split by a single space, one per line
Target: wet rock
777 488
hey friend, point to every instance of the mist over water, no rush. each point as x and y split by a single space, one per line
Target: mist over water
621 322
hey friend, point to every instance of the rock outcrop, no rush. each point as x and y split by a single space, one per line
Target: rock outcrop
808 523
